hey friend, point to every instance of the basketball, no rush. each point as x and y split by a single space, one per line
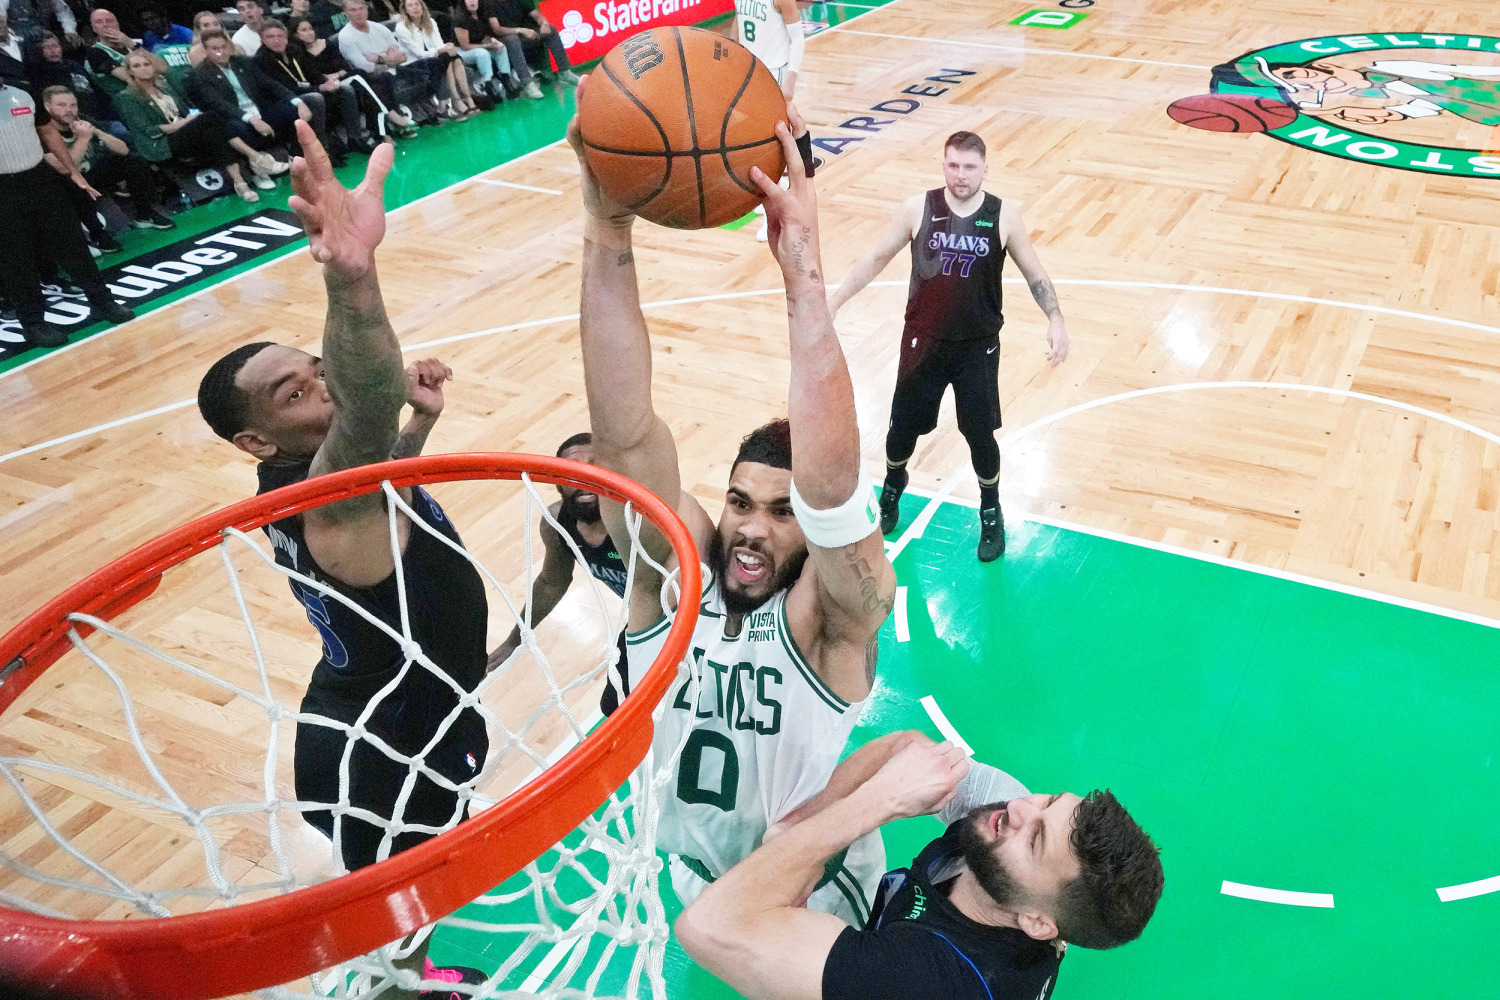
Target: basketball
1232 112
673 119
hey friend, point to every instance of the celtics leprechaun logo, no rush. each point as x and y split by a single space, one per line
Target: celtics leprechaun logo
1425 102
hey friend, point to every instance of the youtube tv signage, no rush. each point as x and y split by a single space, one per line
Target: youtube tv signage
590 28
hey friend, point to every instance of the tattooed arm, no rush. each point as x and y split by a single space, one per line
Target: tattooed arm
844 594
424 391
629 437
1018 245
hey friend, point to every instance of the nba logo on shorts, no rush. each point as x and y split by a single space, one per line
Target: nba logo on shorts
471 761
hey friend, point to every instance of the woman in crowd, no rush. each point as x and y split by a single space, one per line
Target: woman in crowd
291 67
205 20
329 63
419 37
480 48
162 127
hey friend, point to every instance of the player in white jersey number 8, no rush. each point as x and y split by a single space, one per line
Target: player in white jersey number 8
784 652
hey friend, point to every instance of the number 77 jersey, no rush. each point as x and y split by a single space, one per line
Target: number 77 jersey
760 734
955 273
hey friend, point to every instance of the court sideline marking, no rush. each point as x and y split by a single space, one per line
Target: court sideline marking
1027 49
725 296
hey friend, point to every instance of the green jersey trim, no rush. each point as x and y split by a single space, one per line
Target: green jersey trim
821 689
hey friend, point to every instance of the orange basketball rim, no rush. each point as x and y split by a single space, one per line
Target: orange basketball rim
236 949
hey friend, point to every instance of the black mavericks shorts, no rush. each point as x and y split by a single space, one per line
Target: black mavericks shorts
972 367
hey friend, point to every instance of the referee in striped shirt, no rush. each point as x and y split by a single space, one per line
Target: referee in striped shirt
39 222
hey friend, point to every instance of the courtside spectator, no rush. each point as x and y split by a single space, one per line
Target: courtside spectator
327 17
369 47
29 19
205 20
480 48
160 31
12 56
290 66
164 126
49 66
252 106
247 38
330 64
38 221
528 36
105 162
106 57
426 52
170 42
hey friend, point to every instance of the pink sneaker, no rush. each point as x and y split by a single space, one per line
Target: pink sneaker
449 974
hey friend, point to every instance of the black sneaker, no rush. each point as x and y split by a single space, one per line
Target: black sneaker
991 534
43 335
890 508
111 312
105 243
154 220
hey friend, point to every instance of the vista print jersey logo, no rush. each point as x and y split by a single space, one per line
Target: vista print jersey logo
1414 101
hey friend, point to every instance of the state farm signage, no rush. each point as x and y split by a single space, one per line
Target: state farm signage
590 28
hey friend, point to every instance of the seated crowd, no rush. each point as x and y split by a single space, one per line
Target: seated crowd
141 114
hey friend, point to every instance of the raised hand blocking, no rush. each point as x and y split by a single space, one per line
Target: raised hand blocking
343 227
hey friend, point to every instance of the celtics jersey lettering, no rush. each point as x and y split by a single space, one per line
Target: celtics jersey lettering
763 732
764 33
955 272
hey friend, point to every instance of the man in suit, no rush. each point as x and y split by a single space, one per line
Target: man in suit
252 105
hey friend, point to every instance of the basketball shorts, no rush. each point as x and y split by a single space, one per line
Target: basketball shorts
927 368
376 779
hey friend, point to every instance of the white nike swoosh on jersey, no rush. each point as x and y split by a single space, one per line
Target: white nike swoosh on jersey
992 350
940 218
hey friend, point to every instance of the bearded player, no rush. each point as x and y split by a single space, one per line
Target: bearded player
984 912
783 656
959 236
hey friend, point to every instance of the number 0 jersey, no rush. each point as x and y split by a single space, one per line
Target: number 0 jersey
763 735
764 33
955 273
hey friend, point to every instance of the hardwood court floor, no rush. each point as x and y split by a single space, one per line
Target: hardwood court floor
1316 334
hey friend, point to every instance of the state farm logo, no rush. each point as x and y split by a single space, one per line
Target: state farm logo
575 30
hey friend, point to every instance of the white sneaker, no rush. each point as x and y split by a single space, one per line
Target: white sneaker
532 92
264 183
569 77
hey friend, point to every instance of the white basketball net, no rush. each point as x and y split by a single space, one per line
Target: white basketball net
583 918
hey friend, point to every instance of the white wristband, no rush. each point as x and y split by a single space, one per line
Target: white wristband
850 522
799 43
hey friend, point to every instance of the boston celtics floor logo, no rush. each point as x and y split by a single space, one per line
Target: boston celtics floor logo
1423 102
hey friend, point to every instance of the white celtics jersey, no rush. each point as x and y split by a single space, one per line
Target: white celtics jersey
763 734
764 33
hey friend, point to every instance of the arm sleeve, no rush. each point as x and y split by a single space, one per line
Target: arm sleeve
981 786
899 962
799 44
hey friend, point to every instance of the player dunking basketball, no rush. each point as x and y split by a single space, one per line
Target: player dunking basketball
784 651
958 235
304 416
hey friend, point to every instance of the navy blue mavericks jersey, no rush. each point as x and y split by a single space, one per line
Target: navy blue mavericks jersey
955 273
603 560
447 610
919 946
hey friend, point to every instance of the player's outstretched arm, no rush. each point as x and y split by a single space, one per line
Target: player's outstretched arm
751 929
424 391
552 582
1018 245
362 361
852 772
897 235
629 438
837 605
